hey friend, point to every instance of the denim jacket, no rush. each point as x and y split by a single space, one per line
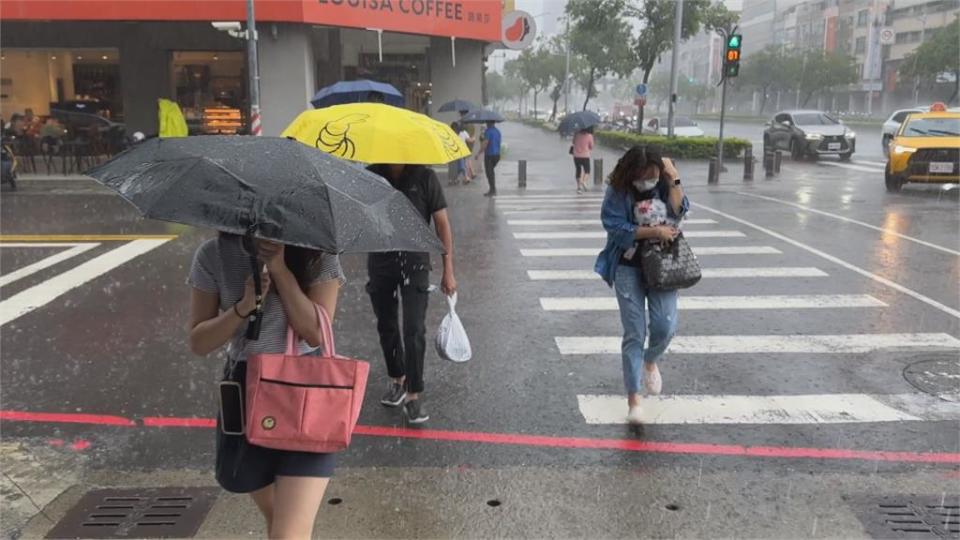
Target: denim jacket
618 220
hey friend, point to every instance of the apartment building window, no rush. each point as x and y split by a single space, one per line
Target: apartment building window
862 16
861 46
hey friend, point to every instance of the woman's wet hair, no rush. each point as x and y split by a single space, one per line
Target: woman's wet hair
299 260
637 158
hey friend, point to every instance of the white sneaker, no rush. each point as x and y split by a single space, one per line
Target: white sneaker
652 382
634 416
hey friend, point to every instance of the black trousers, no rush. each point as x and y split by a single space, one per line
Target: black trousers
404 349
489 164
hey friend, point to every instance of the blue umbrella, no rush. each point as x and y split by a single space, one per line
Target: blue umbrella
457 105
356 92
481 116
577 121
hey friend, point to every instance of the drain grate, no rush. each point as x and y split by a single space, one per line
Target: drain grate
909 517
173 512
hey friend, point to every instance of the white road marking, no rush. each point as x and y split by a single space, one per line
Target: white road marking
758 272
882 165
57 258
769 344
778 301
860 168
880 279
513 198
527 211
854 221
727 409
573 235
699 251
552 222
40 295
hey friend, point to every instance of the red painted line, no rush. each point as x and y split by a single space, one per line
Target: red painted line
80 445
543 441
66 418
169 421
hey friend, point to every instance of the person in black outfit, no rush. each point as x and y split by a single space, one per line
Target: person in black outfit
408 272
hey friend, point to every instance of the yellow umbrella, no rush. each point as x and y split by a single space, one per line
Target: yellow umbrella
377 133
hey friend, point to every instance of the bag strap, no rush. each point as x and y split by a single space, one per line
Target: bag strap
326 330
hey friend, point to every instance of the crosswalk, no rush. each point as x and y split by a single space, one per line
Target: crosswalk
558 238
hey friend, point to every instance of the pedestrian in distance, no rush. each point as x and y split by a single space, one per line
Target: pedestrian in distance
490 147
469 140
408 273
581 149
286 486
644 202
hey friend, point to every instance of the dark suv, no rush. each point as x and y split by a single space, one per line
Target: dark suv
809 133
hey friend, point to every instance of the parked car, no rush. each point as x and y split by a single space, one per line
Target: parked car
682 127
809 133
926 149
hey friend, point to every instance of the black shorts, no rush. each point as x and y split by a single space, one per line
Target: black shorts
581 163
243 467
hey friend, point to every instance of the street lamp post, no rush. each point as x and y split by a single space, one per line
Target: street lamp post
674 59
253 67
566 71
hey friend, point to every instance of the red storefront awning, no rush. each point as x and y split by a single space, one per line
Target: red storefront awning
466 19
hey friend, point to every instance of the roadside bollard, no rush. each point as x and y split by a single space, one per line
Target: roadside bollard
777 160
598 172
713 174
768 164
522 173
452 172
748 163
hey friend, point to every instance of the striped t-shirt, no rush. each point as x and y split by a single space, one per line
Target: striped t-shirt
221 266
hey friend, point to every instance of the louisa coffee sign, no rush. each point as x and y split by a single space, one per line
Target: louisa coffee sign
478 19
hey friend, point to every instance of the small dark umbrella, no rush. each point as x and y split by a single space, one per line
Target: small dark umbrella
267 187
481 116
457 105
578 121
357 92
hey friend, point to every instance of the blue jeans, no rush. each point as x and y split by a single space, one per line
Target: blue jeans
633 300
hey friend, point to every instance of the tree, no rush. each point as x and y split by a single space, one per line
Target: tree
821 71
656 19
499 89
600 35
694 91
765 71
555 65
512 69
940 54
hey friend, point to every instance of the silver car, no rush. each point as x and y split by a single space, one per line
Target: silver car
890 127
809 133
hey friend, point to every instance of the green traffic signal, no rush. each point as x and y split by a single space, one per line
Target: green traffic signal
734 41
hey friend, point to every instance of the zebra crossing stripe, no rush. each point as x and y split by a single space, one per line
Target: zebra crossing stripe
574 235
534 198
727 409
560 222
699 251
769 344
712 273
527 211
780 301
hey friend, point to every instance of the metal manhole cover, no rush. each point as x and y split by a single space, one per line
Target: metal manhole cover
937 374
173 512
908 516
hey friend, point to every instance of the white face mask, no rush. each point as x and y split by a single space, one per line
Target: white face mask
644 185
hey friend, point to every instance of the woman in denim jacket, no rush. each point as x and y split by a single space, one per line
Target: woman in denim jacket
644 202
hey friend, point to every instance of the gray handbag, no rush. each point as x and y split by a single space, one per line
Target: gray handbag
671 267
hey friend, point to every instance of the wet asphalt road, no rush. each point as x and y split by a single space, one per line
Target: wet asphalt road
116 343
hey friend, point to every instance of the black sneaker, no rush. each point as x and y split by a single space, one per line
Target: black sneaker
416 413
394 396
490 194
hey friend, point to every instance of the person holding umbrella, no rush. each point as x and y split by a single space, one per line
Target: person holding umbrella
398 280
283 211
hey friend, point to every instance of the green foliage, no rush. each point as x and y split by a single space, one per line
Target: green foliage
599 33
940 54
677 147
821 71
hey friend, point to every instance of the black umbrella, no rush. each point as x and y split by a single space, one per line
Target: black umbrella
270 188
481 116
285 191
457 105
578 121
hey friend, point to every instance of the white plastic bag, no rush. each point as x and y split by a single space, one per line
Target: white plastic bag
452 341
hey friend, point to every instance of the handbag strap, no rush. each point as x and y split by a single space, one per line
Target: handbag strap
326 329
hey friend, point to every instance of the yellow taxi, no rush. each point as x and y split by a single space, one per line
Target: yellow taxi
925 149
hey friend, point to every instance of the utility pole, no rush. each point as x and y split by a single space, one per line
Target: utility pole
923 35
566 71
674 59
253 67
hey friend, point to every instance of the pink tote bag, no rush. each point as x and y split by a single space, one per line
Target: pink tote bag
304 403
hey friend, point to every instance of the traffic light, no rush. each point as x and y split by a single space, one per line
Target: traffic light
731 60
